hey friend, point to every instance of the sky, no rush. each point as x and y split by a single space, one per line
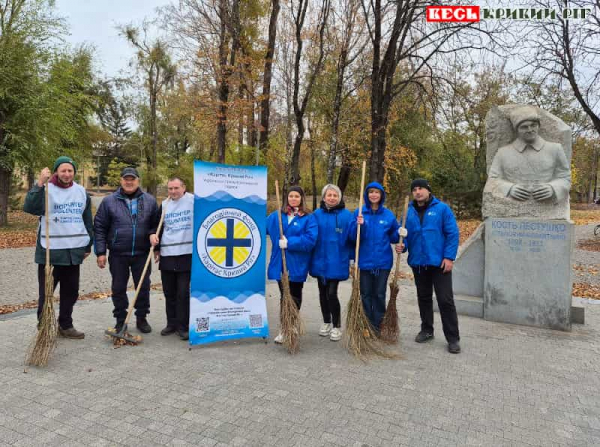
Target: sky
94 22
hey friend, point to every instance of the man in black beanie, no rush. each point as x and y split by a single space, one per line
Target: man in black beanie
432 244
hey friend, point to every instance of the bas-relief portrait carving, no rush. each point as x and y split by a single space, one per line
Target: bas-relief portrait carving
529 159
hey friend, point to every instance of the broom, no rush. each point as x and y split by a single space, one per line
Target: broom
289 315
360 338
45 339
390 329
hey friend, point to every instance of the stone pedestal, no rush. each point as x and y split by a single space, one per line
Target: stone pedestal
528 272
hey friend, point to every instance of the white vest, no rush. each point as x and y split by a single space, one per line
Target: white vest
178 227
67 229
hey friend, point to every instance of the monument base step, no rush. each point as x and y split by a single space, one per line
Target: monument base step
472 306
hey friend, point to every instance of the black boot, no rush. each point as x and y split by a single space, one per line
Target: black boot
119 326
143 326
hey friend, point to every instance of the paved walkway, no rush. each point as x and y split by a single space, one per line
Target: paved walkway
512 385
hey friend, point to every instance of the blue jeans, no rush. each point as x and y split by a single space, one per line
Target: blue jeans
373 286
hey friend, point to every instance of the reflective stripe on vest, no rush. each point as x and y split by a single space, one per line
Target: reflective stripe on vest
178 231
67 229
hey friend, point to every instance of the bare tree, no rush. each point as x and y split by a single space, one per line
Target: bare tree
400 37
207 33
301 95
159 72
350 42
265 102
568 52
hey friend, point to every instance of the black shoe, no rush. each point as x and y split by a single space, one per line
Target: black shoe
168 330
143 326
184 335
453 347
423 337
119 326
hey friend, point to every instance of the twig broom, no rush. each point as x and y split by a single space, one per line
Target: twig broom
45 339
390 328
360 337
289 314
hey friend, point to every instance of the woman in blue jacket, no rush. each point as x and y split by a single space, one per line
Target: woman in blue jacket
331 257
379 230
299 236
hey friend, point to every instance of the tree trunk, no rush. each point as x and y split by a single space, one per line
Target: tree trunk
596 161
224 74
295 161
344 176
5 176
337 106
265 110
252 134
151 171
378 147
30 178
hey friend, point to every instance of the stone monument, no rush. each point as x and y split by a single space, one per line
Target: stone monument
524 246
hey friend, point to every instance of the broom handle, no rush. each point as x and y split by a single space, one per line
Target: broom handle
279 205
148 259
396 273
47 217
360 205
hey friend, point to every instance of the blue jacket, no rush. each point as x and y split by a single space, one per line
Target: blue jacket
380 229
301 234
334 247
121 231
433 240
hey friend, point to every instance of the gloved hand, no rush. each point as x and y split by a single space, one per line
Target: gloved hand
402 232
283 243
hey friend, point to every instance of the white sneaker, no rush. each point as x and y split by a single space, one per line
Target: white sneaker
279 339
336 334
325 329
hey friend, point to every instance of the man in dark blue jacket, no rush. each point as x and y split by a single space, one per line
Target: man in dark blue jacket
123 222
432 244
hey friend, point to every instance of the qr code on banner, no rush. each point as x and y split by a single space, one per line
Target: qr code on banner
202 325
256 320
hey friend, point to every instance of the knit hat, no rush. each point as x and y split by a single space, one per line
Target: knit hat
523 113
420 182
300 191
333 187
64 159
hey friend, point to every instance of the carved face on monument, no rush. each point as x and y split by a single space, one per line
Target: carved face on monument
529 176
528 131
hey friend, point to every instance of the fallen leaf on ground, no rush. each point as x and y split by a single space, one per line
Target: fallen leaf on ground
585 290
589 244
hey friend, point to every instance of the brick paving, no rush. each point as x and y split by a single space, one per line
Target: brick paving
511 386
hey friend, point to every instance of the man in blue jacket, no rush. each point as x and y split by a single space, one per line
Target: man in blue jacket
432 244
123 222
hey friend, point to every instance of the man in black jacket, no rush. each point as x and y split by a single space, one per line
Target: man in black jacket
122 225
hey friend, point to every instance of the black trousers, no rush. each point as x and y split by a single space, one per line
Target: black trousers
295 290
330 304
68 277
120 267
176 287
427 279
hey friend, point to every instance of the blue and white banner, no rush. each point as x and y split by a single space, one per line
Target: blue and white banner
228 263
